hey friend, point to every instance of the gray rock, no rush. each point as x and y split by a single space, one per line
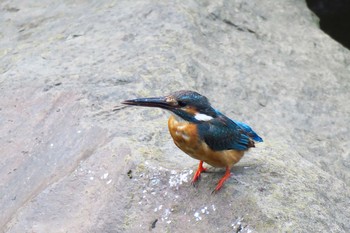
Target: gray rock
72 164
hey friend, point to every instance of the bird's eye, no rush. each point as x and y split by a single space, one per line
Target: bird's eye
181 103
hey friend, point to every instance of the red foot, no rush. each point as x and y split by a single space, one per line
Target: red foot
223 179
198 172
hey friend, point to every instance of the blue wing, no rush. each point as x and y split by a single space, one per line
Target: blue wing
222 133
244 127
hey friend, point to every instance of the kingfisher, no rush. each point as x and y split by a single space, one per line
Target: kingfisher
203 132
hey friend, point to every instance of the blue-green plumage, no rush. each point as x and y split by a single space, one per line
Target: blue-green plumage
222 133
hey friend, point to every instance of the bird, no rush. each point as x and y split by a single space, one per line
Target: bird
203 132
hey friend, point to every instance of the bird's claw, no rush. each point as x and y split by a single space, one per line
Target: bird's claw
197 175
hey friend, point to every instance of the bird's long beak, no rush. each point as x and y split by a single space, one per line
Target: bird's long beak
160 102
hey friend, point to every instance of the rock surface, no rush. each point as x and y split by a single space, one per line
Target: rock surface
71 164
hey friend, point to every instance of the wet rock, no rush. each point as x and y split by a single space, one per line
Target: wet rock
75 160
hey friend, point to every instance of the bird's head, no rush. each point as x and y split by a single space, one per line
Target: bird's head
189 105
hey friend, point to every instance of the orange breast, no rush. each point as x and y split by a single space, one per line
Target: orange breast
186 138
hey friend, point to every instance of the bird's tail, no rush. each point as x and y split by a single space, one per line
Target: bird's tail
249 130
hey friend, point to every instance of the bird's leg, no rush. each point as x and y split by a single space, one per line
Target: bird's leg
198 172
223 179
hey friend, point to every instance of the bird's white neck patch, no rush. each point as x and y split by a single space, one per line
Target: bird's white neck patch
202 117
